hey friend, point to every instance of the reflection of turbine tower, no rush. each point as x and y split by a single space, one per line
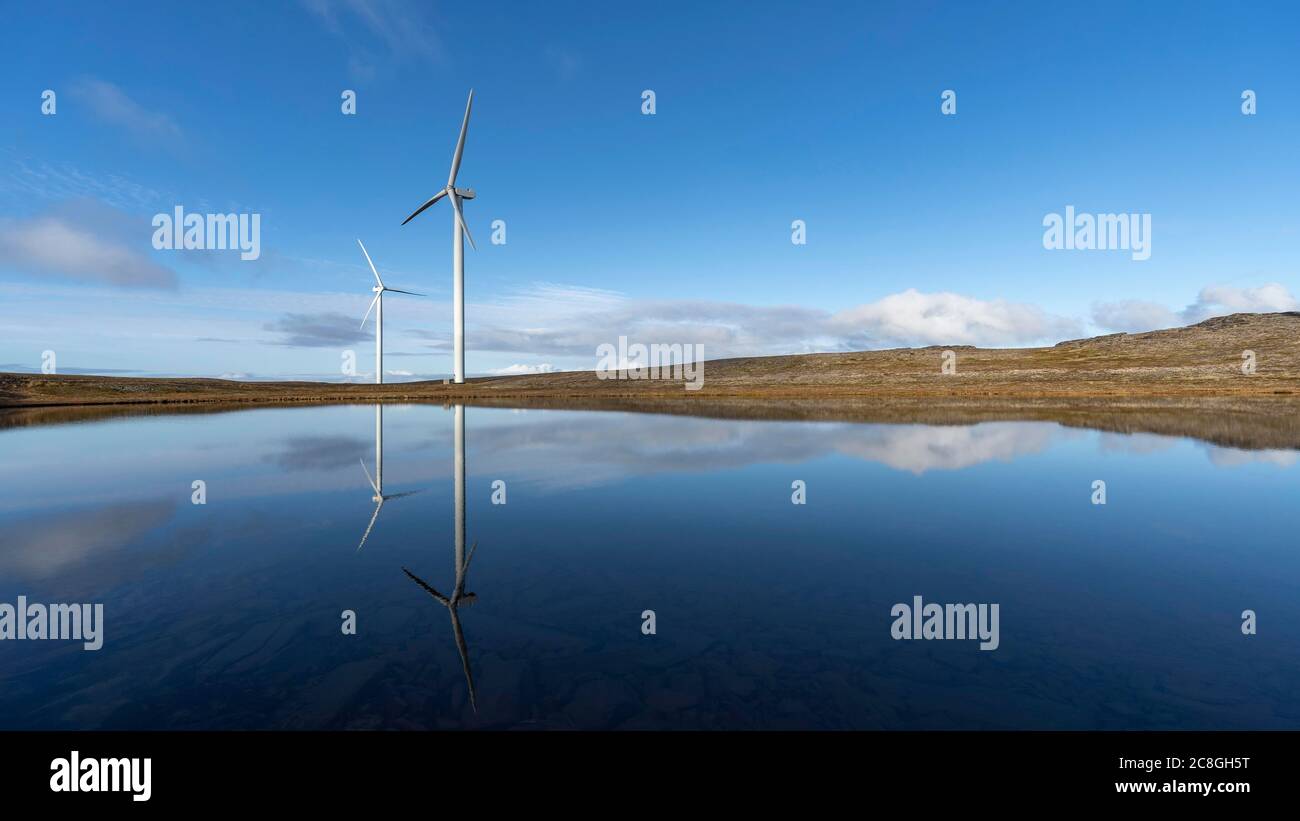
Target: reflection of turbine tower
377 481
458 594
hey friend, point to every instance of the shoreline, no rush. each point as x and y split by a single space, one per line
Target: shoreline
1242 422
1232 380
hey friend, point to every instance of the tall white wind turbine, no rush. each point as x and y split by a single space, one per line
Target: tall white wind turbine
377 305
459 231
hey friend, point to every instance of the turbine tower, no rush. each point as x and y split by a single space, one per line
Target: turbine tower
458 233
377 305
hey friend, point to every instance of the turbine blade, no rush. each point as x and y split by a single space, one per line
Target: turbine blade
372 265
455 203
371 308
400 291
460 143
431 201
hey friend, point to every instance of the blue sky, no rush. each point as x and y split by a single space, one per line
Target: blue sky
921 228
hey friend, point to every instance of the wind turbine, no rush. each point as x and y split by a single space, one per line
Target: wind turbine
458 594
377 481
459 231
377 305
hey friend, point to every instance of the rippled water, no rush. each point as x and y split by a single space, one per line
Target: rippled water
767 614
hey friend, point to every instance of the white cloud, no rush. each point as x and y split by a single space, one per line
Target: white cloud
1214 300
551 320
915 318
1217 300
26 179
112 105
1132 316
373 28
517 369
80 250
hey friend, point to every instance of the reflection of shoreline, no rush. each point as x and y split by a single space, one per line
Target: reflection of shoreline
579 450
552 451
1238 423
1244 424
569 450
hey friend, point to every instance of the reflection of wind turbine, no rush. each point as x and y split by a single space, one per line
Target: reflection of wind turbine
454 195
458 594
377 305
377 481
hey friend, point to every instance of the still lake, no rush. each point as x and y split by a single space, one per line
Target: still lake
767 614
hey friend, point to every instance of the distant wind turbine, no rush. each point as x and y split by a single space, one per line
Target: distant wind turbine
377 305
459 231
377 481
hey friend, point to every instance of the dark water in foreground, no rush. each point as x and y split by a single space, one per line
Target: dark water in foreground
768 614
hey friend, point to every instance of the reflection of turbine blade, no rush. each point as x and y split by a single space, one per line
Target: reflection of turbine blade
369 478
462 561
370 526
464 655
463 571
458 597
403 495
426 587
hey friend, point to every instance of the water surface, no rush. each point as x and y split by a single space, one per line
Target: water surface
768 614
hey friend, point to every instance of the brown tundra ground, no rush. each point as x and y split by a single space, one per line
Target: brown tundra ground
1182 381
